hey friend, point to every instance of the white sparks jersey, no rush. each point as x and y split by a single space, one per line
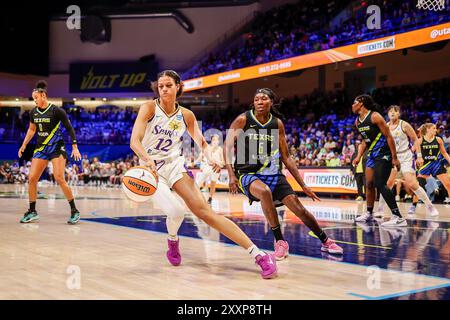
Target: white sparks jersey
401 139
162 138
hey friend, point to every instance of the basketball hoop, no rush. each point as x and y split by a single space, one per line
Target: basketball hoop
434 5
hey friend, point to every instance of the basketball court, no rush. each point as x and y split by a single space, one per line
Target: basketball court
117 251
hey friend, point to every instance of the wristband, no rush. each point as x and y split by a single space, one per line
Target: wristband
419 155
74 141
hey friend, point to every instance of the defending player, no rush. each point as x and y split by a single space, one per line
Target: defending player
46 119
261 144
381 158
434 156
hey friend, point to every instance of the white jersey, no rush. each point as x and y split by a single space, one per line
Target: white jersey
404 153
401 139
162 138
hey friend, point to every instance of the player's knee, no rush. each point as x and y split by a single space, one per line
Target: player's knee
370 184
33 179
266 194
60 179
205 214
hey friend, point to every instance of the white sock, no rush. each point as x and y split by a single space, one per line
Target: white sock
381 203
422 195
254 251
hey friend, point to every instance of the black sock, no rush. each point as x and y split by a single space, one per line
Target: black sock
370 210
277 233
32 206
322 236
396 211
72 205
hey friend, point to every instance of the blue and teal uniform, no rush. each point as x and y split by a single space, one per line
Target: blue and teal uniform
433 160
50 142
378 148
258 157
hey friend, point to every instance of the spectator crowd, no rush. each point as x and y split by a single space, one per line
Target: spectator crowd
310 26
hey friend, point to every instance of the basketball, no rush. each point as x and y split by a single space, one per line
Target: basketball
139 183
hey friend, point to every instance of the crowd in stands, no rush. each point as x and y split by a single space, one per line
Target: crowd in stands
307 26
100 126
315 136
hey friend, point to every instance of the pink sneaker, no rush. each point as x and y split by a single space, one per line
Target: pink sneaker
173 254
268 265
281 250
331 247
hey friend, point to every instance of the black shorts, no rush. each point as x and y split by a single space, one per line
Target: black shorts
277 183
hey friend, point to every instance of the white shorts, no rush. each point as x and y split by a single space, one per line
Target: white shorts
169 170
208 173
406 162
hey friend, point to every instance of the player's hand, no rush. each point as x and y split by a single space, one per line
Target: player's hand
310 193
233 185
396 164
356 161
76 153
21 151
419 162
151 165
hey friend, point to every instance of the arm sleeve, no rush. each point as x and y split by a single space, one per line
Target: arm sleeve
61 115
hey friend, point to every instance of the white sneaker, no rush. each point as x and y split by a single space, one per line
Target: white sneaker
412 209
447 200
395 222
397 198
365 217
432 211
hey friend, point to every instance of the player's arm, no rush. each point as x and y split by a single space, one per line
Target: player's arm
61 115
146 112
359 153
411 133
442 149
236 126
30 134
290 163
379 121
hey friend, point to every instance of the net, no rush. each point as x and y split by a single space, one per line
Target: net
434 5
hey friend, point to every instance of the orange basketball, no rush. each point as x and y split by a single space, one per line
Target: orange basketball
139 183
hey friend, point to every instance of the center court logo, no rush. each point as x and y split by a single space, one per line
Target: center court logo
439 33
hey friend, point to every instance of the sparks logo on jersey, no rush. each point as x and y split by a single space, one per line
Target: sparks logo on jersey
168 132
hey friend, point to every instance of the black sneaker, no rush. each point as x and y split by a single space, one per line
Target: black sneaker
209 200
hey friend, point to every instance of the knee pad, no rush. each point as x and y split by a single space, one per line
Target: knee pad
168 202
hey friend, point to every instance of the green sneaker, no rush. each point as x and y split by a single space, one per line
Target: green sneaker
29 216
74 217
